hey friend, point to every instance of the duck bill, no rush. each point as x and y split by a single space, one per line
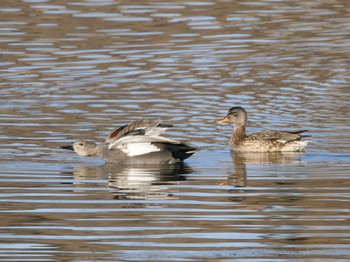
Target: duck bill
225 120
70 147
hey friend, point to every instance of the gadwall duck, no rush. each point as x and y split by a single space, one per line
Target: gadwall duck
265 141
136 143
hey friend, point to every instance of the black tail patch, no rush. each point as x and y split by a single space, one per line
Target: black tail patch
180 151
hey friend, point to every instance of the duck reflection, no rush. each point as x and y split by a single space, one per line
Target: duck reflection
242 160
140 182
135 182
88 173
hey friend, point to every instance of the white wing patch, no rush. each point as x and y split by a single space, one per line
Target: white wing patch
137 149
296 145
281 141
140 139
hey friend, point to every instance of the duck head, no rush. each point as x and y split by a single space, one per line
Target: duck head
236 115
83 148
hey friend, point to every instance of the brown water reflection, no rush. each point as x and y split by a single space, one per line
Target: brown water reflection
76 69
241 160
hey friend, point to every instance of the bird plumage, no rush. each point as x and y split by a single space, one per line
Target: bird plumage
138 142
265 141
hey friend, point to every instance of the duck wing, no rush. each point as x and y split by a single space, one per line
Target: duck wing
139 144
141 127
279 136
140 137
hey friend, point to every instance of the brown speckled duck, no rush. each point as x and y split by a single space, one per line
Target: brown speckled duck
136 143
265 141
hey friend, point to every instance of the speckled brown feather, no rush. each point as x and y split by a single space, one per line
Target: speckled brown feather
286 136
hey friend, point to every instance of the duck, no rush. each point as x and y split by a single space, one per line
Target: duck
265 141
139 142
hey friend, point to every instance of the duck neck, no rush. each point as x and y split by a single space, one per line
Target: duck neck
101 149
238 134
110 155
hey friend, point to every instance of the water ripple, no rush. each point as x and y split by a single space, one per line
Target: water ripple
75 70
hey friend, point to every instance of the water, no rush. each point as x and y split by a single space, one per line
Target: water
75 70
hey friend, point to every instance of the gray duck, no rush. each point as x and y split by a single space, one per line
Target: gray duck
139 142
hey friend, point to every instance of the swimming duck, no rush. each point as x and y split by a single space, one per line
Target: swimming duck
138 142
265 141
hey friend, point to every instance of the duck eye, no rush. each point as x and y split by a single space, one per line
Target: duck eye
80 144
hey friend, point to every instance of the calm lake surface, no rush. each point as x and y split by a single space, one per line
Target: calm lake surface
77 69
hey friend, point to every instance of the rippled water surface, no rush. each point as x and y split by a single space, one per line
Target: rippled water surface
77 69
